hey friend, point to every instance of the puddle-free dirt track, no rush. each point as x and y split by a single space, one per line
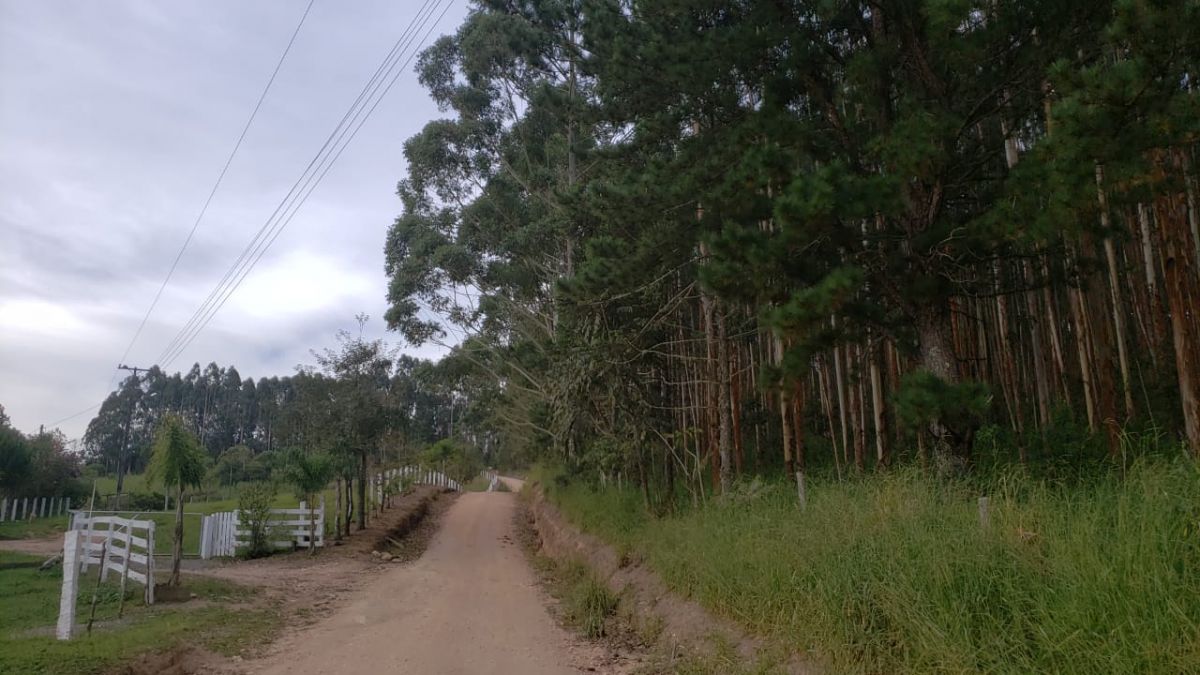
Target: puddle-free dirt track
470 604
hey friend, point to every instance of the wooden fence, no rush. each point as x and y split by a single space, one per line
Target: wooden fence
114 544
221 534
28 508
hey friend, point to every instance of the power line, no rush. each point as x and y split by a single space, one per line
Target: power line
216 185
330 151
276 221
203 210
74 415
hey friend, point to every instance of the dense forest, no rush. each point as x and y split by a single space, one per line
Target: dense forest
683 240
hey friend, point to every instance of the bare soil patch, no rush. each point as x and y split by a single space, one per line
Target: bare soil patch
306 587
48 546
470 604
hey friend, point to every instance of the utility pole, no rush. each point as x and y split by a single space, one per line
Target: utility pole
125 436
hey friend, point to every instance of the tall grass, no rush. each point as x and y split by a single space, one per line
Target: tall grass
894 573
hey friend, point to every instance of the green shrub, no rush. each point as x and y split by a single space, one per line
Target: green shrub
145 501
588 603
254 510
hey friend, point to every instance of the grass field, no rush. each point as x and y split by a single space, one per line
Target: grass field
893 573
30 610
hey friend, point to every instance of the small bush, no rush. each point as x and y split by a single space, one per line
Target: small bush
254 509
589 603
145 501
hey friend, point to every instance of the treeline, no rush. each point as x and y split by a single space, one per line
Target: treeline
690 239
362 403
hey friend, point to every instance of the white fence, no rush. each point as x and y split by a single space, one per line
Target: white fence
493 480
27 508
221 533
410 475
121 545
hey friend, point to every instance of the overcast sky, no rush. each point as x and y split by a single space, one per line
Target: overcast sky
115 119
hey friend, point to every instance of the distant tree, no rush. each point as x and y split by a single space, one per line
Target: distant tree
454 459
239 464
14 460
53 470
177 462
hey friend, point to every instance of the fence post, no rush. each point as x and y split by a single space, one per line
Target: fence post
150 564
125 566
204 537
70 586
87 543
985 517
305 515
105 550
3 508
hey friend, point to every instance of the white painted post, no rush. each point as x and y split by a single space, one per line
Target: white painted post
3 508
105 551
985 519
150 564
25 508
125 553
87 543
304 514
204 526
45 505
70 585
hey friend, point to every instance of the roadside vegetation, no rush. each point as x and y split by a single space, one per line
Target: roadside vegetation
895 573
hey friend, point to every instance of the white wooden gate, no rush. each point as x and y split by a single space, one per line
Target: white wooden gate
121 545
217 538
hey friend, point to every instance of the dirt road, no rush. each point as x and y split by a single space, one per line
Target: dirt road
469 605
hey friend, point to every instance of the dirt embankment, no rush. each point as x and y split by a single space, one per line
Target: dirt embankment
687 626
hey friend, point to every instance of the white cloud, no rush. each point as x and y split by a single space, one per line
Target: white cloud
116 118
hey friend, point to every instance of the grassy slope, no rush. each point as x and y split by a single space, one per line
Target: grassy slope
894 573
30 610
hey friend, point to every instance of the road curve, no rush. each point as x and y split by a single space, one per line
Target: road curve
470 604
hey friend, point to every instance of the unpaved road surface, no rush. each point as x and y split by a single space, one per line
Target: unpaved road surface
470 604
